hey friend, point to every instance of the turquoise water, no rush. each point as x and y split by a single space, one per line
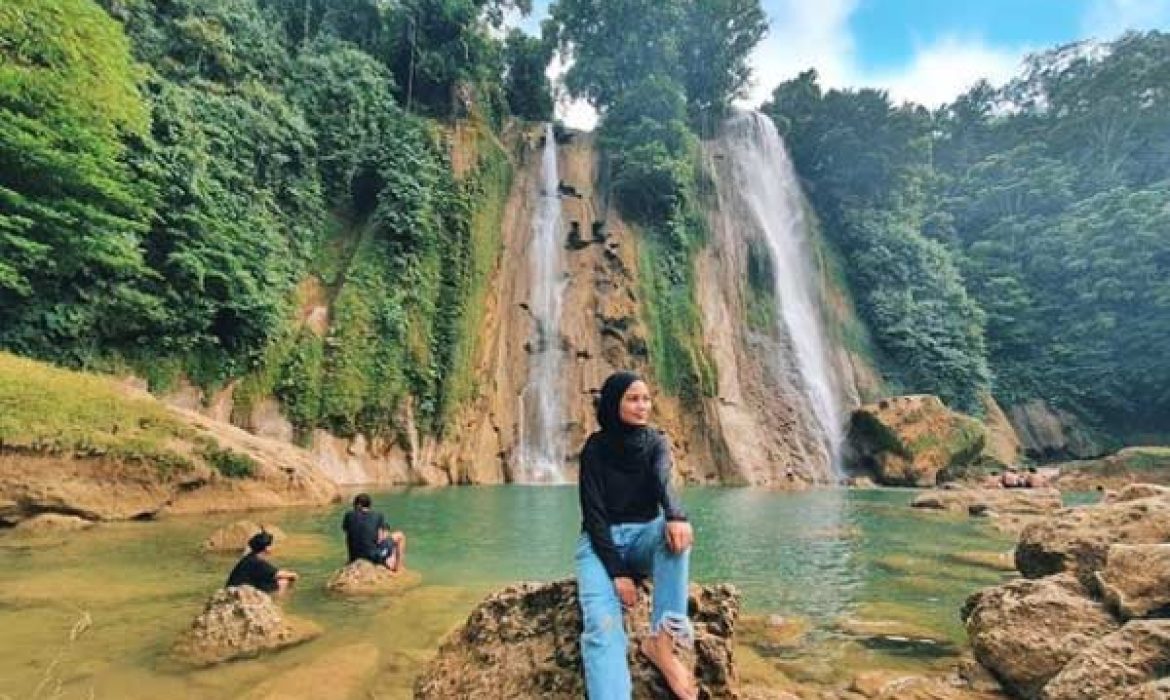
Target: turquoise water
818 557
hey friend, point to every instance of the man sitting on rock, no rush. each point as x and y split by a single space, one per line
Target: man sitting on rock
256 571
367 536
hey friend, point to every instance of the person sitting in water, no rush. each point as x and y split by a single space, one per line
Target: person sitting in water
624 484
256 571
368 537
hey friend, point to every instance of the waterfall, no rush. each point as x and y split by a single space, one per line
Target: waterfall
766 187
542 443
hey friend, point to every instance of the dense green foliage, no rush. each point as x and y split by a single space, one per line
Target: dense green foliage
1058 210
72 220
658 72
175 173
1025 228
526 87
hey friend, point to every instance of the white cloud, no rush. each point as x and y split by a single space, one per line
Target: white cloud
804 35
817 35
946 68
1105 19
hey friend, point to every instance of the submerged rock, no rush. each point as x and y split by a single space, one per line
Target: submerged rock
363 578
908 440
53 522
1001 501
237 622
233 538
339 674
894 685
1025 631
522 642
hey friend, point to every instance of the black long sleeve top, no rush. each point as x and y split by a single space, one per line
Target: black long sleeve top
616 488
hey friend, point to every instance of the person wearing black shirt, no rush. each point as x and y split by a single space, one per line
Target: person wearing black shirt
633 525
256 571
367 536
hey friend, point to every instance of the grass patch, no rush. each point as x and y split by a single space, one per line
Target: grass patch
49 410
231 464
667 281
489 188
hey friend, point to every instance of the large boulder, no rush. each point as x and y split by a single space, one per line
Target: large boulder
1136 579
1078 539
522 642
364 578
236 622
908 440
1050 433
1137 653
233 538
1013 501
1025 631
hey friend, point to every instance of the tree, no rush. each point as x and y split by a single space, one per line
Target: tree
526 86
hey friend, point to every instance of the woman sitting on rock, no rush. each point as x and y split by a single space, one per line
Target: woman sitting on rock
624 483
256 571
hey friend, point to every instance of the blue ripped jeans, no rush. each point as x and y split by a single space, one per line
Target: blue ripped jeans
603 640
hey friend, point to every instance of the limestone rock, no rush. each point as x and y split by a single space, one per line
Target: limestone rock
522 642
362 578
239 622
1046 432
53 522
1127 466
891 685
1154 690
233 538
1002 447
1137 653
1077 539
908 440
1136 579
1025 631
1134 492
1014 501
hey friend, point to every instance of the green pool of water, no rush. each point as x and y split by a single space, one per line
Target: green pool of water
822 557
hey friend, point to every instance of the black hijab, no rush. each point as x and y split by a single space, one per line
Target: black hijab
629 444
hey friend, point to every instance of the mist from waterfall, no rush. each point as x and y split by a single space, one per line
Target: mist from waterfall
542 440
767 185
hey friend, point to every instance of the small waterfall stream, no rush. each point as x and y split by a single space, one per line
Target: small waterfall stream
542 442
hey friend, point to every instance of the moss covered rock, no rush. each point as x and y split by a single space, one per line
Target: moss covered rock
908 440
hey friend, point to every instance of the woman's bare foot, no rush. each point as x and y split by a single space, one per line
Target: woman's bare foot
659 648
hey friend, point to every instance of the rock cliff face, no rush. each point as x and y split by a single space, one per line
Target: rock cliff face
1049 433
602 329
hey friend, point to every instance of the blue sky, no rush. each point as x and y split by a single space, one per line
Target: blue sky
928 51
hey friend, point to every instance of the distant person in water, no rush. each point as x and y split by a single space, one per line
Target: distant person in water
367 536
256 571
633 526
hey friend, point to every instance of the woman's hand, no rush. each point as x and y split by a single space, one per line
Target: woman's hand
679 536
627 591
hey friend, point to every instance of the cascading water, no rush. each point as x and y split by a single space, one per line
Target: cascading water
542 448
766 185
